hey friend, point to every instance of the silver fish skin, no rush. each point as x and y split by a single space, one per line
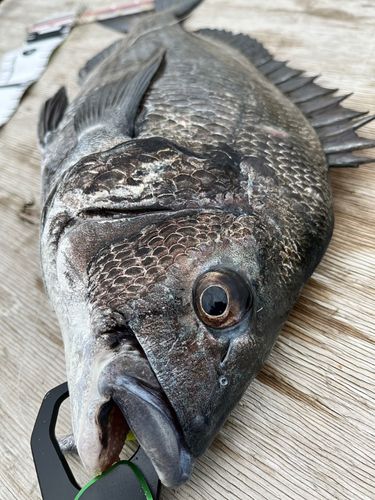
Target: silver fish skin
186 203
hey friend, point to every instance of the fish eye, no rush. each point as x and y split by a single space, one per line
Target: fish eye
221 298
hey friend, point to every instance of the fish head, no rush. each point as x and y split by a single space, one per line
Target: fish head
158 308
159 331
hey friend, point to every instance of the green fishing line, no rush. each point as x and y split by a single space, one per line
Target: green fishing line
136 471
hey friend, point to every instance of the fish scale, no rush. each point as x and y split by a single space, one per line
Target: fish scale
186 202
179 180
231 227
232 100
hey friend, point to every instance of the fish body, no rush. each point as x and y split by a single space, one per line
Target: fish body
186 203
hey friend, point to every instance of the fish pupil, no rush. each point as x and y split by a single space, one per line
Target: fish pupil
214 300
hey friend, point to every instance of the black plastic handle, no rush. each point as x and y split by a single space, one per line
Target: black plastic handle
55 478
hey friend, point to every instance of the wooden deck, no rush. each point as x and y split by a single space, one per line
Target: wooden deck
306 427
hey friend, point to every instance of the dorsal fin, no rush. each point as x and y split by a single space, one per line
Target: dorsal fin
340 128
330 120
249 47
114 105
51 114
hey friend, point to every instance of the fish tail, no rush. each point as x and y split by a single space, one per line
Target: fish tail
178 8
166 13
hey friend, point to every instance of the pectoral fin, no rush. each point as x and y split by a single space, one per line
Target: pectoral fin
114 106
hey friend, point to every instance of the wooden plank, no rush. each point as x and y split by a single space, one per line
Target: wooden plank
305 428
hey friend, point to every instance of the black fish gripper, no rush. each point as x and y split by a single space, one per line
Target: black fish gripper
133 479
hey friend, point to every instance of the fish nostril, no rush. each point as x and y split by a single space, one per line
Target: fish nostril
225 353
223 381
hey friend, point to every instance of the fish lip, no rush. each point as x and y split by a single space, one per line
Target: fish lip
154 424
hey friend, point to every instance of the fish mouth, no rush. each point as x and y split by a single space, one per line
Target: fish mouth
134 400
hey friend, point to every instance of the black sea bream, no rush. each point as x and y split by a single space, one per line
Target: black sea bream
187 201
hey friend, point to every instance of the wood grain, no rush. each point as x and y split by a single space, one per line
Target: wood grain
306 427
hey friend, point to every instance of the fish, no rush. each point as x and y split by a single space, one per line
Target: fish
186 202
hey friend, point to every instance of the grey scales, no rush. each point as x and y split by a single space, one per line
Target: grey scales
186 202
